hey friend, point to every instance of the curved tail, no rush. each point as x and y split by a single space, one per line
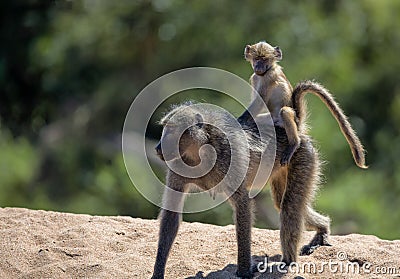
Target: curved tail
317 89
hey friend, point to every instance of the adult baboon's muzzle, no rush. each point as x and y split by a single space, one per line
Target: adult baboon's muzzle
159 151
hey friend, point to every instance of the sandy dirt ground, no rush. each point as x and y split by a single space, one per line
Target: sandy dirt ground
42 244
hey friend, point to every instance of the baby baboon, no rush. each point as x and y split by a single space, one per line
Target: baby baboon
295 178
193 127
286 106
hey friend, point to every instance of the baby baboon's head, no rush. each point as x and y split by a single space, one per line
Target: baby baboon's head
262 57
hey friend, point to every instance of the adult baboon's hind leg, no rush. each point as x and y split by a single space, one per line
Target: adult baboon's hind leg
321 224
292 215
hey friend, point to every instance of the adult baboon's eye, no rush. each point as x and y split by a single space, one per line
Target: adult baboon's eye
172 129
170 126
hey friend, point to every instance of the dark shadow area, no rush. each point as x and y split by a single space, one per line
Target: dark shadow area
272 271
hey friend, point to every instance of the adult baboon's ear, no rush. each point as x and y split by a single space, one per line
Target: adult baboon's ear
199 120
278 53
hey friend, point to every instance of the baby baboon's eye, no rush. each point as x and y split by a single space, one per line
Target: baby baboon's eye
260 58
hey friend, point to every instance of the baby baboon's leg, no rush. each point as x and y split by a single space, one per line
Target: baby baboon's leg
241 204
292 214
288 117
169 226
321 224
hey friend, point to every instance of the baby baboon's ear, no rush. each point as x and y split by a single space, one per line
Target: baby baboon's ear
199 120
247 51
278 53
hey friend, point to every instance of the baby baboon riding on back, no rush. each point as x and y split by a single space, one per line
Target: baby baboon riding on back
287 106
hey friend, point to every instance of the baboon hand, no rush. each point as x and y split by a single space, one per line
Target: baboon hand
245 117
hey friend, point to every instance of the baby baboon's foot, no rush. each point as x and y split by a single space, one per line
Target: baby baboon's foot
320 239
287 156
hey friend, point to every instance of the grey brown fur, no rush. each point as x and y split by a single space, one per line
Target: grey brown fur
293 189
299 107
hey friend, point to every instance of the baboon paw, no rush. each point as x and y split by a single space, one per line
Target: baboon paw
308 250
326 243
244 274
244 118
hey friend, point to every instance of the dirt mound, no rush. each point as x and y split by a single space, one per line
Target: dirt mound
42 244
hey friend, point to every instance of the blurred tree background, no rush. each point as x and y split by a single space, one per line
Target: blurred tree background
69 71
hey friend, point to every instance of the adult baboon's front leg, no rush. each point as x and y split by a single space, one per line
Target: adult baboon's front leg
169 225
168 229
242 206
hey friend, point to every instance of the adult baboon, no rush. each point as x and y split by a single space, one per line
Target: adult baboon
201 127
293 186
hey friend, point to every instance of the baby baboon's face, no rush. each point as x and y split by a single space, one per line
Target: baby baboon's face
262 56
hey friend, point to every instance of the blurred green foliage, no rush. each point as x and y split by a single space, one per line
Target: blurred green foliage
70 69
